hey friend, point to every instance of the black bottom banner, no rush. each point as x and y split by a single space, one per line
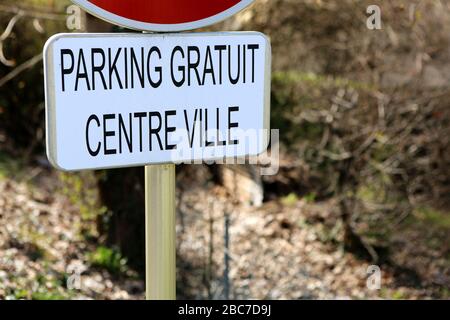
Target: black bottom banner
223 309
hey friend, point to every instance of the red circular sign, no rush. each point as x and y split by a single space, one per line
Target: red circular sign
163 15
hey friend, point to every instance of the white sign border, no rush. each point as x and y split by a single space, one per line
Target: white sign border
50 105
144 26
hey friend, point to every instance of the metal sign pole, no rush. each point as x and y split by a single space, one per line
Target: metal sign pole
160 232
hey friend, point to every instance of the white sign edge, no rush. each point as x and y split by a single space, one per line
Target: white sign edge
145 26
50 107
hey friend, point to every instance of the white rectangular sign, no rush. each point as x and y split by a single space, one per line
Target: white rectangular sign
120 100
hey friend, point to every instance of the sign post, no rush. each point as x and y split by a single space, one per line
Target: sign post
123 100
160 232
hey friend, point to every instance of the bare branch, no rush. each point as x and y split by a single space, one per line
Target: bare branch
33 12
4 36
24 66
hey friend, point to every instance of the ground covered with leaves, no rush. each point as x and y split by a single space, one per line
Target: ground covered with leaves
286 249
49 249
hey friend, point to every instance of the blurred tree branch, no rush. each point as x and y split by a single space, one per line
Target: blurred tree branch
21 68
20 12
33 12
4 36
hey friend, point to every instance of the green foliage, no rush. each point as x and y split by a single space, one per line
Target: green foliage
45 295
290 200
433 216
9 167
50 287
108 259
310 197
82 191
445 292
317 81
398 295
47 285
